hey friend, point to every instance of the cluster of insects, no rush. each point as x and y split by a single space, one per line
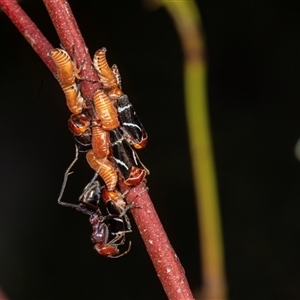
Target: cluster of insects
109 131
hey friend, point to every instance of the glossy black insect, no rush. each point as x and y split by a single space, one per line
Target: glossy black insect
126 159
131 125
108 230
108 234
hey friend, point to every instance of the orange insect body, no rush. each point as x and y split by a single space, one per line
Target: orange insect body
106 74
66 75
114 196
109 77
105 111
100 141
104 168
114 93
75 102
65 66
116 72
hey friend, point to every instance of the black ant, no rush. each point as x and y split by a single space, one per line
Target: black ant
108 230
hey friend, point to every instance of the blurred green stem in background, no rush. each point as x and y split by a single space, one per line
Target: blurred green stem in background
187 20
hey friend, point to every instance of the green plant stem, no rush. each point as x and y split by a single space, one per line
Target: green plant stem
187 22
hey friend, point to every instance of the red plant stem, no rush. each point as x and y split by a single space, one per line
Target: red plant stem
29 30
166 263
2 295
72 40
163 256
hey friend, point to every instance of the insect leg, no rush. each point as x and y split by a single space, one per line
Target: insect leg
67 173
123 253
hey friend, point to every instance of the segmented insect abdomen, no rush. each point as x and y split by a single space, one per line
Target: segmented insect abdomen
105 111
104 168
100 141
75 102
100 59
106 74
65 66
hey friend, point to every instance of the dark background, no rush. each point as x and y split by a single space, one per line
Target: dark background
253 82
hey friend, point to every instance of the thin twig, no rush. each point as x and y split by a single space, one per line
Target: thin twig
162 254
29 30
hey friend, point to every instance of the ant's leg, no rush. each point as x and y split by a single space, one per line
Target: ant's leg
92 183
78 207
131 205
128 224
119 239
67 173
81 208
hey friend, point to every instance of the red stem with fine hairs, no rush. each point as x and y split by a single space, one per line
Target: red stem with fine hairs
2 295
72 40
29 30
165 261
